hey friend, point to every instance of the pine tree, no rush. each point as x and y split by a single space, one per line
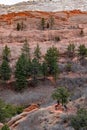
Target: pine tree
37 52
21 83
26 49
20 72
28 68
36 69
6 53
44 69
51 58
5 70
55 70
26 52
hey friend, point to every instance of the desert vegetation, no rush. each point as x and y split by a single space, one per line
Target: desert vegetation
29 68
43 62
80 120
7 111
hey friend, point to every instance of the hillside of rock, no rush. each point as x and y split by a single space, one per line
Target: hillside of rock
67 26
47 118
45 5
70 18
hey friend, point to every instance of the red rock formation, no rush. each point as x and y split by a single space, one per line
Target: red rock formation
36 14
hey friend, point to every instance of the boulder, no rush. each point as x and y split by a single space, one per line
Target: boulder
1 125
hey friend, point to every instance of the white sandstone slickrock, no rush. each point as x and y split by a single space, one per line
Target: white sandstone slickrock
45 5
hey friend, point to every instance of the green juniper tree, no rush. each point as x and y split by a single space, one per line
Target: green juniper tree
51 58
6 53
61 94
44 69
26 49
37 52
5 70
36 69
55 70
26 52
20 73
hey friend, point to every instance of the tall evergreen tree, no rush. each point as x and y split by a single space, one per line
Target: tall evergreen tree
26 49
37 52
5 70
44 69
51 58
6 53
28 68
55 70
26 53
21 83
36 69
20 73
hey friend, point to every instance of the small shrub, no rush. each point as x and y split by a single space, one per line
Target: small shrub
7 111
57 38
79 121
18 27
5 127
81 32
68 67
82 51
71 50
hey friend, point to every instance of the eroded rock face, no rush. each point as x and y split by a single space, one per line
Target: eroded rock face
68 25
45 5
47 118
1 125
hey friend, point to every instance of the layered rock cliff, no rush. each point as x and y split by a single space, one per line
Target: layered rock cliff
45 5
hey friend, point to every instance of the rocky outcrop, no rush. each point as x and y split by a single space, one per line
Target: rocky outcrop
20 118
34 118
45 5
1 125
